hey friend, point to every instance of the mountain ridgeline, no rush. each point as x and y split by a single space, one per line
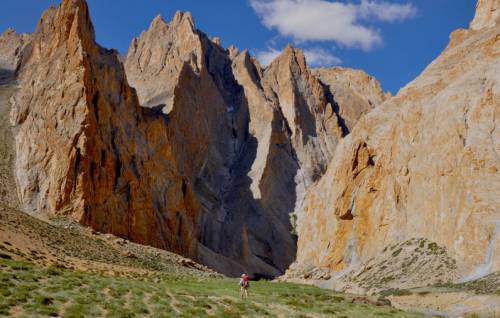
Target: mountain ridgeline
186 146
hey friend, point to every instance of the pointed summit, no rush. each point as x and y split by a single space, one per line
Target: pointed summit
175 42
290 56
70 5
158 21
294 52
66 25
233 51
183 18
73 15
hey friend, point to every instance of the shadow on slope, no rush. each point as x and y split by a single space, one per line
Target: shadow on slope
8 194
6 76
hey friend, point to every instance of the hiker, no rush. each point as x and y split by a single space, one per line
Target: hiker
245 284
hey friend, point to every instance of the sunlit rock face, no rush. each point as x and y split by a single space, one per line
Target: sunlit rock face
204 153
155 59
355 93
423 164
84 146
487 14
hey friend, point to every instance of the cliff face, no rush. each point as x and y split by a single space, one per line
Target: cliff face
156 59
209 119
12 45
84 146
207 156
252 140
222 137
355 93
422 165
222 161
487 14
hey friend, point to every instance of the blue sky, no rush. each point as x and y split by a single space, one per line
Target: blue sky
392 40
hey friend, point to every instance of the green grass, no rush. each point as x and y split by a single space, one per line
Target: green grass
395 292
34 291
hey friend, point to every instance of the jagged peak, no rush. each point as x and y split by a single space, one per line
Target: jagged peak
233 51
158 21
69 9
69 5
250 62
183 18
292 52
74 14
291 55
239 57
181 23
8 32
245 53
67 25
487 14
11 33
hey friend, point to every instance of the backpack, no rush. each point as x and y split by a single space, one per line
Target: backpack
244 283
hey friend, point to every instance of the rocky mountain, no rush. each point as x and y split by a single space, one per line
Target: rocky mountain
425 164
86 149
187 146
155 59
12 46
275 133
356 93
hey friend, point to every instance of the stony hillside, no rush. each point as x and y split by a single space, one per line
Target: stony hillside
59 243
207 155
423 165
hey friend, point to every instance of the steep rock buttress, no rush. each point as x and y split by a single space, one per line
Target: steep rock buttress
84 146
422 165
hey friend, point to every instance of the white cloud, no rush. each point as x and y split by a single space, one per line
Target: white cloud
321 57
385 11
322 20
314 57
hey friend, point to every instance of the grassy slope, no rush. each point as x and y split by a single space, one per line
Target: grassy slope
29 290
47 270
